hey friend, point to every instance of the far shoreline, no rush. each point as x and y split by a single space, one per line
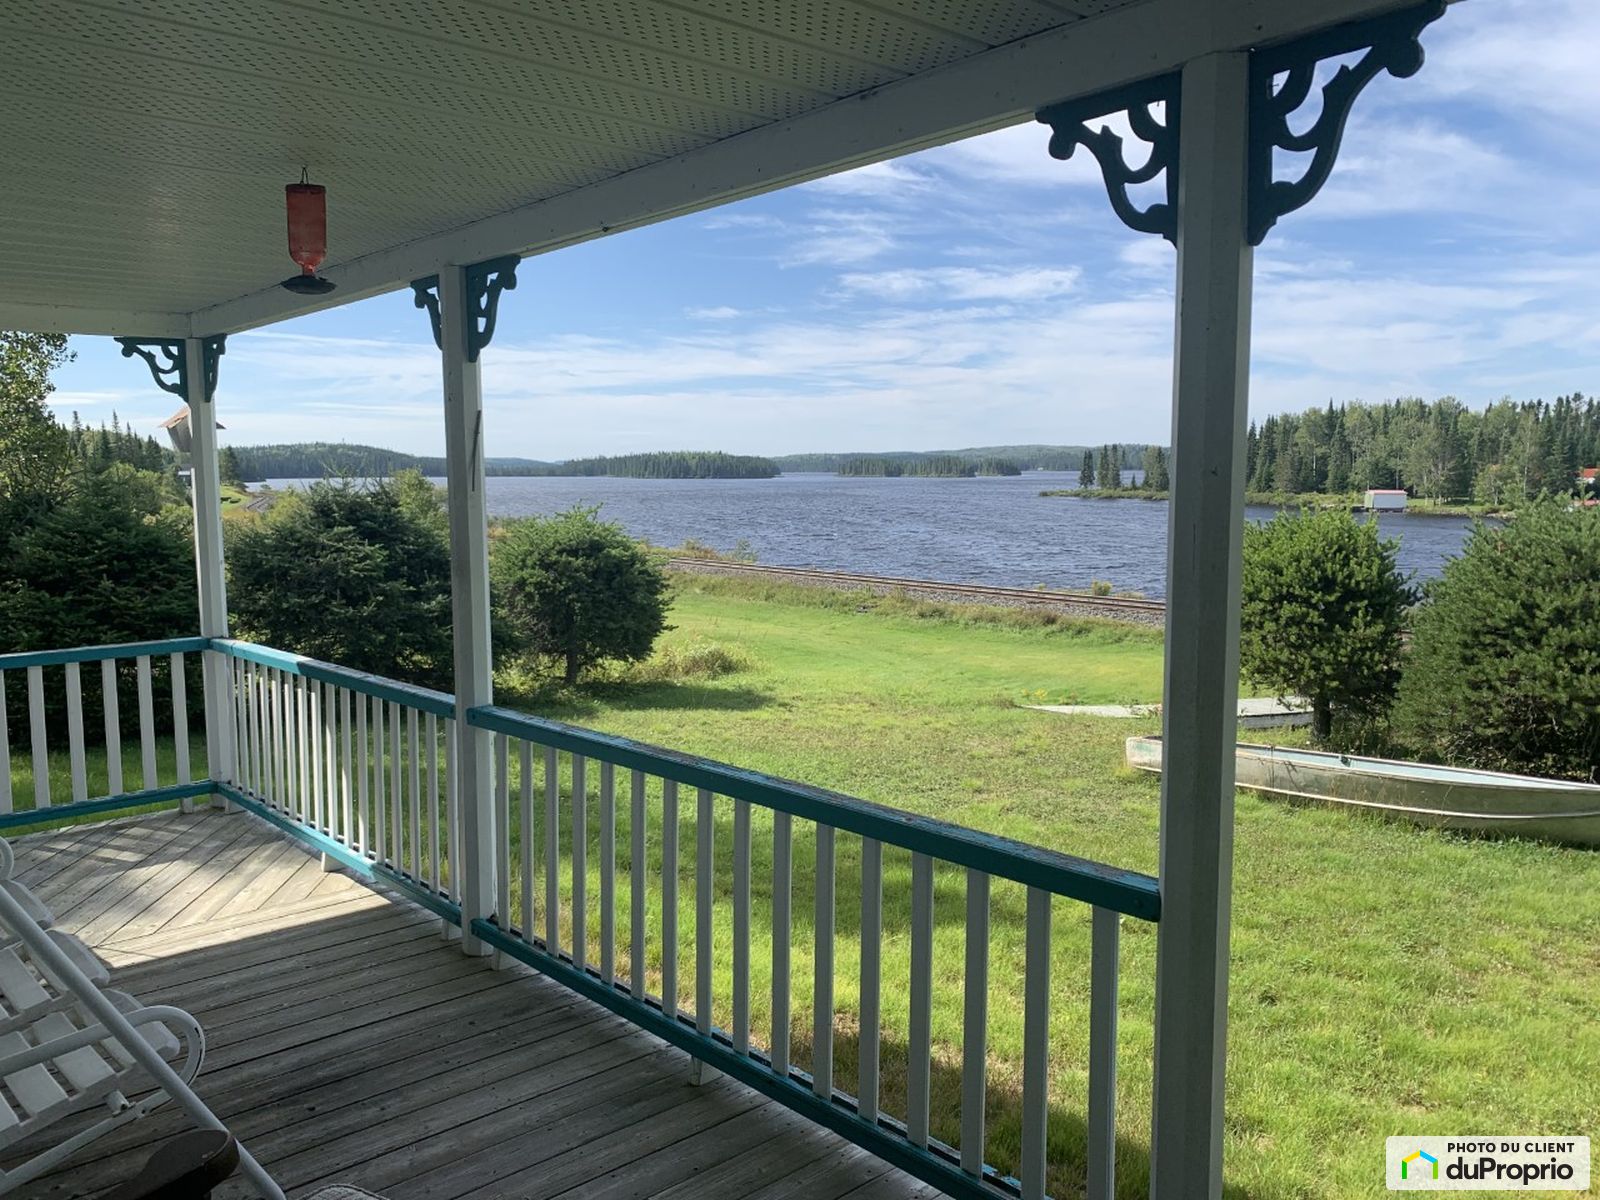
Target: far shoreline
1279 500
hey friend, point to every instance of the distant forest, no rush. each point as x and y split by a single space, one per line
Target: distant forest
1500 455
939 466
316 460
1506 453
667 464
1023 458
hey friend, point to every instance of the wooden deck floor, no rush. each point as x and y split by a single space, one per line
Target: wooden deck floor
348 1043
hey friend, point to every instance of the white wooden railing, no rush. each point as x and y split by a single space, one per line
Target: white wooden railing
367 764
362 768
615 935
151 671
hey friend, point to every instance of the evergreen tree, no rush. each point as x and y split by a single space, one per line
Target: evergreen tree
35 451
1086 471
1504 665
228 467
351 574
1266 467
578 589
1338 479
1322 610
1155 469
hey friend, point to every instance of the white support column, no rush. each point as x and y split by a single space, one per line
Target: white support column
1205 533
211 582
469 592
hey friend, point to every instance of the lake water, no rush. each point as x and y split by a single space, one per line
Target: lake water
988 530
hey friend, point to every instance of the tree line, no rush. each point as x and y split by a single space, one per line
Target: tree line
1102 471
1022 457
1501 455
346 460
934 466
668 464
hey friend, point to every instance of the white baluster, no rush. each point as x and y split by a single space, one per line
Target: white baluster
741 926
1036 1046
147 723
180 718
867 1056
918 1047
975 1025
782 896
79 771
113 726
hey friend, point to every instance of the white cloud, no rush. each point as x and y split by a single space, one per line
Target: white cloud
1531 58
720 312
895 179
1018 155
1389 166
942 284
842 237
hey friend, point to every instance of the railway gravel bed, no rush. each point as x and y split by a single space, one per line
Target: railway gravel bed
1114 608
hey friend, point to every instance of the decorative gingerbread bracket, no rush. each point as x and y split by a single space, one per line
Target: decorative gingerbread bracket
1390 43
486 281
1070 128
171 371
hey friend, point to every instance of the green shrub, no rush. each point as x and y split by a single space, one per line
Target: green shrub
107 564
1504 670
1322 611
355 575
579 589
696 660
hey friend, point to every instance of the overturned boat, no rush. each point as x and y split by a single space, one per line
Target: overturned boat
1481 802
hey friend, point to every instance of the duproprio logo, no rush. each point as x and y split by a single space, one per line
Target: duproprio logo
1502 1164
1418 1160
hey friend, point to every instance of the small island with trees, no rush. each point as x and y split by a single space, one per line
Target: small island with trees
932 466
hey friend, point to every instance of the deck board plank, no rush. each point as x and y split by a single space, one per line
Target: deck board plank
349 1042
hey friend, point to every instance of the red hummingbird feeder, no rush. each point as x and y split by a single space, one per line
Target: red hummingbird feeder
307 205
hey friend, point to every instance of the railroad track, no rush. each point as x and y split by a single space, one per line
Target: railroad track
1123 607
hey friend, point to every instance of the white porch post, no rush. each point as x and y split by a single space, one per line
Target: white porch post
469 592
1204 536
211 581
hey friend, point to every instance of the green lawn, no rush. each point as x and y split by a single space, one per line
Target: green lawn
1385 979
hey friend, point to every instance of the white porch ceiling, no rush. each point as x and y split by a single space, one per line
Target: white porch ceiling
147 142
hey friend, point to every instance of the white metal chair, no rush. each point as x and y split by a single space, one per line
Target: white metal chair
69 1044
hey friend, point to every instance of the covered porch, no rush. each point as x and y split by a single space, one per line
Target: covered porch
680 915
348 1042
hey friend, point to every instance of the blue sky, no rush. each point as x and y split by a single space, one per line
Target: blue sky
983 293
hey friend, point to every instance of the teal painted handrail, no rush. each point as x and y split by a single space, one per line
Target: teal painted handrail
938 1164
82 654
414 890
423 699
56 814
1127 892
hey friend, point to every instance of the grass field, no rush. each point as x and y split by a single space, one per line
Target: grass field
1384 979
